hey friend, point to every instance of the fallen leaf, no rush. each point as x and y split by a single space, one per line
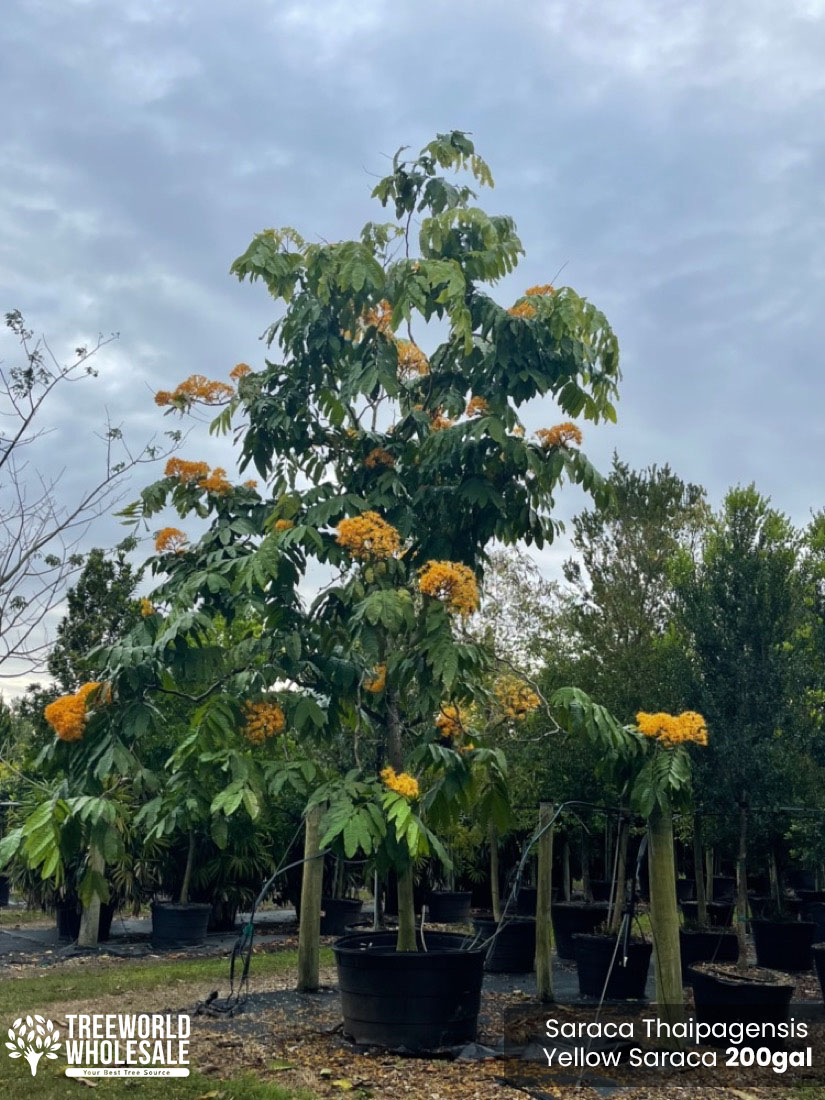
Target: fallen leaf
343 1083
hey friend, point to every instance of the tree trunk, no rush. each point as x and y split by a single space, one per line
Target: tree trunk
586 887
664 914
709 874
544 894
90 919
495 883
620 885
406 901
699 871
565 868
776 884
309 926
377 915
742 887
187 874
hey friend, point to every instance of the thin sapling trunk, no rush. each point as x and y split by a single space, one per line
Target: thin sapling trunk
187 873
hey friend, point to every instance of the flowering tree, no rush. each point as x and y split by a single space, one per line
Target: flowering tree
391 468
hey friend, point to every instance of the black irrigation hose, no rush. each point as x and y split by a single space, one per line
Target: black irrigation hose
242 948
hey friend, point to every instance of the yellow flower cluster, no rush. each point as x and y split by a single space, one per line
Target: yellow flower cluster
451 720
438 421
217 482
543 290
561 435
477 406
412 362
518 431
170 539
67 715
147 608
263 720
404 784
187 472
283 525
239 371
368 536
673 729
453 583
380 316
378 681
523 309
197 389
251 484
515 697
378 457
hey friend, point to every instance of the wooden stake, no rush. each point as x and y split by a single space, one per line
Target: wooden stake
544 894
309 925
664 915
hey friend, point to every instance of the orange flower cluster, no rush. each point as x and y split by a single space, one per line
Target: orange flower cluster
516 698
451 720
187 472
404 784
251 484
67 715
562 435
217 482
378 457
543 290
283 525
263 720
378 681
412 362
368 536
239 371
196 389
522 309
380 316
673 729
477 406
438 421
518 431
170 539
453 583
147 608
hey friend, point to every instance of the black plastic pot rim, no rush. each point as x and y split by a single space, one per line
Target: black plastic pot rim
182 907
340 947
600 937
773 979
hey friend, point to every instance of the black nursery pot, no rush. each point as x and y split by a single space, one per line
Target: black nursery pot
724 887
815 911
176 925
570 917
526 900
707 945
513 951
337 914
807 897
720 913
449 906
600 889
685 889
802 880
594 955
222 917
783 945
67 914
724 998
409 1000
4 891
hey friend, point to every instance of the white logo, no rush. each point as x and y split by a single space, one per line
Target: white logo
31 1039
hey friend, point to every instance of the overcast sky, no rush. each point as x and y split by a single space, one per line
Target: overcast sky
668 155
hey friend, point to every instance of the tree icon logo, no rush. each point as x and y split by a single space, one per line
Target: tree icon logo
31 1039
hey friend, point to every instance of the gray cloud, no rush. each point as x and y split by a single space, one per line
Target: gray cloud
669 155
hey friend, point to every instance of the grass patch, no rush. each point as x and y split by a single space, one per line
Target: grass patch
51 1084
10 917
80 983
